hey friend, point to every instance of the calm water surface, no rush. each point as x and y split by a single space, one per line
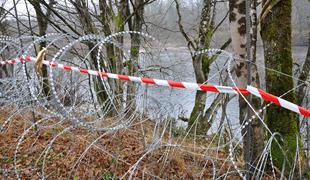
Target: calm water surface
164 101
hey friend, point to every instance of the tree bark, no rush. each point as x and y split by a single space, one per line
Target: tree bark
200 119
201 65
135 24
304 75
42 20
5 70
89 28
253 142
122 17
276 29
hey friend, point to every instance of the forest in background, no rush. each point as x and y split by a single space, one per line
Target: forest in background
161 19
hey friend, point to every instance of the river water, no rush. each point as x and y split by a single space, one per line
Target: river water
160 102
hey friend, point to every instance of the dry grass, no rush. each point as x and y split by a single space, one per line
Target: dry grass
112 156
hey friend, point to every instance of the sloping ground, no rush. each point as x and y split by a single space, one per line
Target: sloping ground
112 156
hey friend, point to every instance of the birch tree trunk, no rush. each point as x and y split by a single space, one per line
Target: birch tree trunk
253 142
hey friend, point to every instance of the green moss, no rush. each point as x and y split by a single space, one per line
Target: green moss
134 57
206 61
118 21
276 35
108 176
285 153
197 116
194 114
99 89
208 37
113 60
134 51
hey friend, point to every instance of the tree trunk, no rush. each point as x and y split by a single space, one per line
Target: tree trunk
201 65
276 35
253 142
43 24
5 70
106 14
304 74
134 25
198 122
88 27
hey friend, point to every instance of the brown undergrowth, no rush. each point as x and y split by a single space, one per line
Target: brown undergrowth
111 157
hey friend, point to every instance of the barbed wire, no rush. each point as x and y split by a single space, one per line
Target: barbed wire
22 97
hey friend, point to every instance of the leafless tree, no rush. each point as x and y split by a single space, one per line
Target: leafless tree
42 20
207 27
5 70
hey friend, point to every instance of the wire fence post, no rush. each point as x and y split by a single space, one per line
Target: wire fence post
249 134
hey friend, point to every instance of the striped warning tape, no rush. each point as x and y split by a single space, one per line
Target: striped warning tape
186 85
278 101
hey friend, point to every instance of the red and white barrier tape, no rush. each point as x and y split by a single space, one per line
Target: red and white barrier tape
186 85
278 101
